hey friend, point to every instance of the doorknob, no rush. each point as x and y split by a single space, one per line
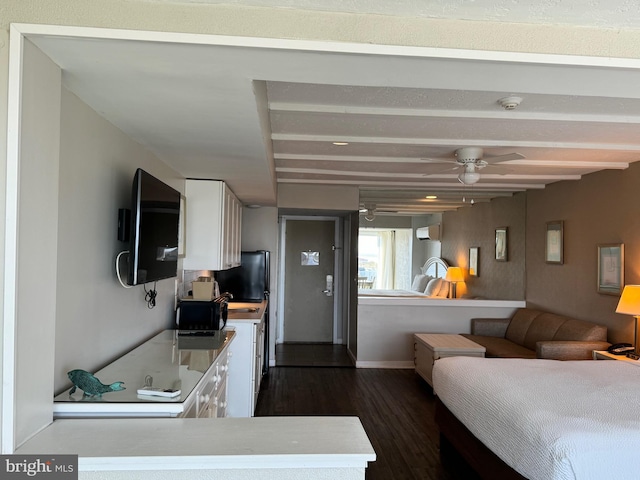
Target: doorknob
328 291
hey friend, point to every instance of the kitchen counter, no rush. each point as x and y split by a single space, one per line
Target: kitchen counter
249 311
248 321
168 360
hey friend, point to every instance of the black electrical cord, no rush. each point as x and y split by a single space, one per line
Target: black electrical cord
150 295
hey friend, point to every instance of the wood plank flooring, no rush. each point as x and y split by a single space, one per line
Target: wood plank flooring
312 355
396 408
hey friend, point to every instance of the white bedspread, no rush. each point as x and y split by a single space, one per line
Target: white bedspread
549 419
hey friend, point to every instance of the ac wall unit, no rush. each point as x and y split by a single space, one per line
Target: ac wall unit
432 232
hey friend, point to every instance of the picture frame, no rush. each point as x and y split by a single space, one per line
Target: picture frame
182 227
554 242
611 268
474 255
501 244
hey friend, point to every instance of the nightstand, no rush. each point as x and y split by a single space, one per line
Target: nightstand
604 355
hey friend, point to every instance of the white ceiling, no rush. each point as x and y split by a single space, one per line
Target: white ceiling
259 114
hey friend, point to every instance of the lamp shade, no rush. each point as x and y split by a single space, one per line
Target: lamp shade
629 300
454 274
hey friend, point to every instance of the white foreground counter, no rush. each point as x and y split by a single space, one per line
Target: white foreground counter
225 448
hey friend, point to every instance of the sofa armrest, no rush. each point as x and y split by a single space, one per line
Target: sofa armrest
568 349
490 327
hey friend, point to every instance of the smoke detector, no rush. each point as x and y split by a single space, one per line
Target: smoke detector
510 103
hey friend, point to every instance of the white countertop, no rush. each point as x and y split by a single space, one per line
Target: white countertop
196 443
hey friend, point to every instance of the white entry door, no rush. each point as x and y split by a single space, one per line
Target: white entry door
309 262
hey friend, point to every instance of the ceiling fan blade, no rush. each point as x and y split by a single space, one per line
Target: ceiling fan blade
437 160
442 169
503 158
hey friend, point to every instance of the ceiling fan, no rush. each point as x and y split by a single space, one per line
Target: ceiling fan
471 160
369 211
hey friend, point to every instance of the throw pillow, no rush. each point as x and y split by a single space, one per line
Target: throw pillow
433 287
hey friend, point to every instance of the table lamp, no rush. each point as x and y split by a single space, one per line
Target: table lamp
629 304
454 275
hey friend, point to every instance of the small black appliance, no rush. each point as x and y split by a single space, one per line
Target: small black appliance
201 316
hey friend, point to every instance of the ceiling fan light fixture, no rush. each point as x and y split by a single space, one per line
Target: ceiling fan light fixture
469 177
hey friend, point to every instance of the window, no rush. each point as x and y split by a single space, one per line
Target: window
384 258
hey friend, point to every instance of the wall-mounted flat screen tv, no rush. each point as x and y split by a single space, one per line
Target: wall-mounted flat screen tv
155 219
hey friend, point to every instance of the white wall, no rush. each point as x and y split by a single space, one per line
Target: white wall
32 266
97 319
65 180
424 249
291 23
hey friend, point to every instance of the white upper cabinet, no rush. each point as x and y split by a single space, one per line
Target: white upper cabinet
213 220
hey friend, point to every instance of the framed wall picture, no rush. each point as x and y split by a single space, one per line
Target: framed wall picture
474 253
554 242
611 268
501 244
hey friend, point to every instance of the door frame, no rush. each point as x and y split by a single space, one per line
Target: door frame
338 280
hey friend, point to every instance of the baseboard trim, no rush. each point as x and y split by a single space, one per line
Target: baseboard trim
351 355
400 364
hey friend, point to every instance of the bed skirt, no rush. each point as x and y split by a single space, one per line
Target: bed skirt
487 464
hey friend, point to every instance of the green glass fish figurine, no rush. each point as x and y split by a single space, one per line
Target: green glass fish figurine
90 385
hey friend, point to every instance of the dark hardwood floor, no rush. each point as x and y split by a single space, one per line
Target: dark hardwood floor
312 355
396 408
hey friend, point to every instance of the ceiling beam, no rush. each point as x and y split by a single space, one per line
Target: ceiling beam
464 114
295 137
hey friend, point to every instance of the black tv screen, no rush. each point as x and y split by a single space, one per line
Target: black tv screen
155 219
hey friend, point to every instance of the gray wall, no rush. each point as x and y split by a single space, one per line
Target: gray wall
598 209
475 227
260 232
601 208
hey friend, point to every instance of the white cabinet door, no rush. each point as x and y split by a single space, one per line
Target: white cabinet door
257 368
212 226
245 370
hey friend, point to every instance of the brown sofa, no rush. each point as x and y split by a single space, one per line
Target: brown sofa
533 333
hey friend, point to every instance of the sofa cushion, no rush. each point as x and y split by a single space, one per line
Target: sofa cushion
501 347
574 329
543 327
520 323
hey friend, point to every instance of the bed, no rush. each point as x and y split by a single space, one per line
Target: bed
541 419
429 283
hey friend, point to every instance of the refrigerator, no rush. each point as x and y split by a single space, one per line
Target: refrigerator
250 283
